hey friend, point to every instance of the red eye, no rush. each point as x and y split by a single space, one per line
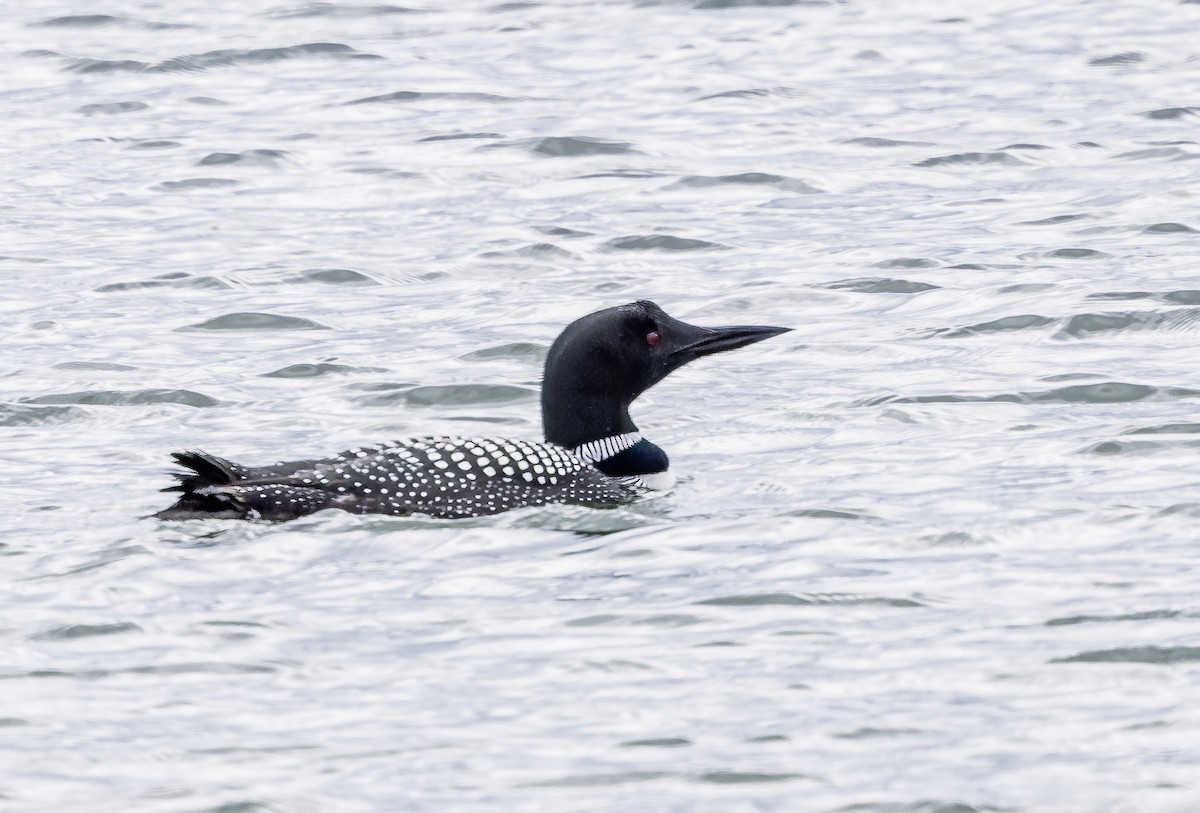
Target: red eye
652 338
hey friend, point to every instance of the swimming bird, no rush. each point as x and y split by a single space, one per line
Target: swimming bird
593 453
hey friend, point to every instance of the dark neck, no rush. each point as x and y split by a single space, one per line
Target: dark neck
592 419
575 420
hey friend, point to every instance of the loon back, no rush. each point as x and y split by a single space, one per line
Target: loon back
448 477
594 454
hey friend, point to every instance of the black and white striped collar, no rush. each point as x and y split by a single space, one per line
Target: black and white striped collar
604 448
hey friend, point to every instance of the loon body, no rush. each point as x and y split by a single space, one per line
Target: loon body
593 454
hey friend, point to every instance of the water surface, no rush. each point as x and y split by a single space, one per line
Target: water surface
935 550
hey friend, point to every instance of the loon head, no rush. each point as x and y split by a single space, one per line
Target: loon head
599 364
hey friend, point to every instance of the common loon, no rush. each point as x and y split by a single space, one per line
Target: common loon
593 454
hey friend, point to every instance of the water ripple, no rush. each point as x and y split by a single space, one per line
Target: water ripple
105 21
969 159
247 320
1107 392
745 179
880 285
1082 325
658 242
453 395
341 10
74 631
24 415
208 60
401 96
254 158
798 600
1136 654
127 398
573 146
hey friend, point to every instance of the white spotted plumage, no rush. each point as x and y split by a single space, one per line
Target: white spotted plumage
445 476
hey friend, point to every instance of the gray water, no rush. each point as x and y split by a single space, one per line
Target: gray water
935 550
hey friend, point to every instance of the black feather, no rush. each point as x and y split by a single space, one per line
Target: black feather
206 470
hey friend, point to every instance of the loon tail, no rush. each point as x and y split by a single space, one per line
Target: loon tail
216 488
201 497
206 470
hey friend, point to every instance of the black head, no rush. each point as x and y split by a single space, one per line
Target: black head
600 363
